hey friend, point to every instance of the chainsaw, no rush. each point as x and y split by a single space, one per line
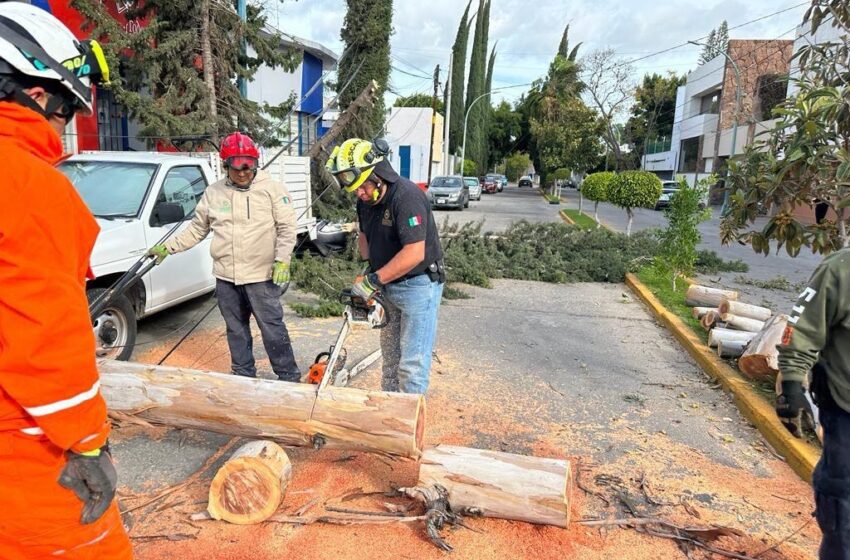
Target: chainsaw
329 367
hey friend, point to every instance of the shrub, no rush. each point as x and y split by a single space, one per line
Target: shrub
680 239
470 168
634 189
595 188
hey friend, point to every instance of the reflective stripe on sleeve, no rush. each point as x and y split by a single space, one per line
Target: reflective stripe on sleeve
65 404
34 431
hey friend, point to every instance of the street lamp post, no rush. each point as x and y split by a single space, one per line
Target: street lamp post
465 119
735 124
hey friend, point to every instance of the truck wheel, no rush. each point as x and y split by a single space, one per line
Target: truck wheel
115 328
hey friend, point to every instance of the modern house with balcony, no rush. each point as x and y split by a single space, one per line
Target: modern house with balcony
706 109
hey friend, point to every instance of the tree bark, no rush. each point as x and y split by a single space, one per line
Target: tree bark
761 358
209 71
631 219
289 413
503 485
731 348
596 213
249 487
741 309
718 335
742 323
703 296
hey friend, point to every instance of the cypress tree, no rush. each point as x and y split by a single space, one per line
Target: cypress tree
488 110
458 79
477 82
366 35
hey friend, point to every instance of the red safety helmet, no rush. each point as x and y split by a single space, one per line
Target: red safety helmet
239 151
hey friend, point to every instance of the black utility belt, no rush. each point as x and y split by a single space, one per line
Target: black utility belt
436 272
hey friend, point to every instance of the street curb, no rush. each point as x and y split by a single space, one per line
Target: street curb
799 455
567 219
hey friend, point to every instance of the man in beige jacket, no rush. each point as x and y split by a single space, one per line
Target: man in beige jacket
254 229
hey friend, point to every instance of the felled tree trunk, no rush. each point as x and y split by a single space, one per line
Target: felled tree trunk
742 323
700 312
761 358
741 309
249 487
703 296
503 485
731 348
718 335
289 413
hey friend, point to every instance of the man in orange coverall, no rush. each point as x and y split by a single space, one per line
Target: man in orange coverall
57 480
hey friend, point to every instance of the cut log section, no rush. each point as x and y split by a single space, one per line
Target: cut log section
699 312
742 323
761 358
741 309
703 296
503 485
710 319
731 348
249 487
289 413
718 335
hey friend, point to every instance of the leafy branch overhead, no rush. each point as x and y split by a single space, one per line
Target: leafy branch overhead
803 161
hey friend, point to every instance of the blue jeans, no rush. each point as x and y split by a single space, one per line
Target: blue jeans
832 484
408 338
261 299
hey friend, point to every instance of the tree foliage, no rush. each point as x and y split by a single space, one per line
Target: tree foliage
477 122
805 158
595 188
366 35
679 240
653 112
162 70
459 81
516 165
505 128
716 43
419 100
634 189
609 88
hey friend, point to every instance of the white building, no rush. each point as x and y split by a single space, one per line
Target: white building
408 132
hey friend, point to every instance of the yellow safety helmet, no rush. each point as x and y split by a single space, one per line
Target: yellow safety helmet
352 162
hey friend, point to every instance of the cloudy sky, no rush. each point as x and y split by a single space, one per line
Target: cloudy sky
528 32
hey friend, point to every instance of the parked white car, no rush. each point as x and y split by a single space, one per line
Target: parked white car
137 198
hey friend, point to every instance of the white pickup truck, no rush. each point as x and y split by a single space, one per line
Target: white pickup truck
137 197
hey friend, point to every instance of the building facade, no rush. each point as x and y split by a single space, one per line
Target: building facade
408 132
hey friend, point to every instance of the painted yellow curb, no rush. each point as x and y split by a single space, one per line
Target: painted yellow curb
799 455
567 219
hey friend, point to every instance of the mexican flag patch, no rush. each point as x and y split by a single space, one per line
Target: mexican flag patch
286 200
414 221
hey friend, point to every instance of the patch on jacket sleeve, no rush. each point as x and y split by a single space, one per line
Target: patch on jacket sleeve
414 221
286 200
786 335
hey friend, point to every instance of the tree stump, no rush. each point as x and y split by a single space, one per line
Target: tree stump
761 358
703 296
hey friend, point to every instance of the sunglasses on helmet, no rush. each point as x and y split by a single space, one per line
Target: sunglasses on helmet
242 163
347 177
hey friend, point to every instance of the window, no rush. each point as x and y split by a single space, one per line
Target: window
690 159
771 90
184 186
710 104
110 189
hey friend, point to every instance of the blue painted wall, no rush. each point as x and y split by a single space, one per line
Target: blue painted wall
311 72
404 157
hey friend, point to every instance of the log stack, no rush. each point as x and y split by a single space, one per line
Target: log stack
738 329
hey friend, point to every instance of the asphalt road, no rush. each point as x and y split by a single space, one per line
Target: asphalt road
575 371
501 209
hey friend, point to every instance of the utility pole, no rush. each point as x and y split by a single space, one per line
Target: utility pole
447 170
433 121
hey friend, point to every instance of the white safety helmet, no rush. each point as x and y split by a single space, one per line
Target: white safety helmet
35 47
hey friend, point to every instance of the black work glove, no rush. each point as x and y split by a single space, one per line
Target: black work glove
93 479
792 406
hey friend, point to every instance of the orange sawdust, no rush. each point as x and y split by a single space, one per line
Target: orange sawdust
471 404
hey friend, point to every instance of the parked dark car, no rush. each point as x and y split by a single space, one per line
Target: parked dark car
525 182
448 192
